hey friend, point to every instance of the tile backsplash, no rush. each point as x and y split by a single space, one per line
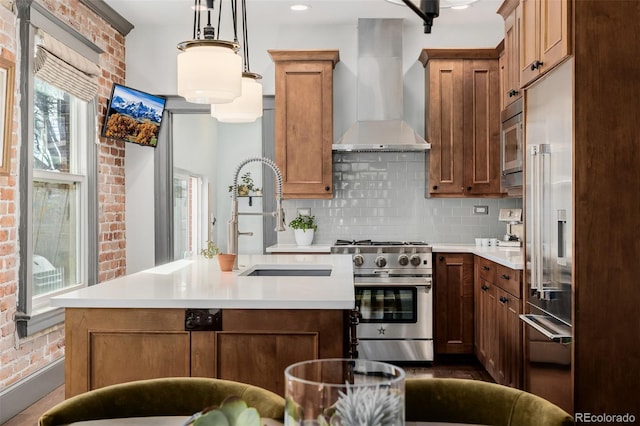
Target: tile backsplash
381 196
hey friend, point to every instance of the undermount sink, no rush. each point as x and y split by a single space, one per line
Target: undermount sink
287 271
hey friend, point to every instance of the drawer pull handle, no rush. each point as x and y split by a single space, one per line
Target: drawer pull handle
486 268
503 299
484 288
505 277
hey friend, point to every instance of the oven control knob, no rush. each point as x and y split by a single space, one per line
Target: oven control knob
358 260
381 262
415 260
403 260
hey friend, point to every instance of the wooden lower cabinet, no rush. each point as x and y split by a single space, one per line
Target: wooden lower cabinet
110 346
509 365
256 345
486 324
454 303
498 330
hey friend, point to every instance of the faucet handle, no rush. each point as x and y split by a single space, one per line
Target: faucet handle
280 220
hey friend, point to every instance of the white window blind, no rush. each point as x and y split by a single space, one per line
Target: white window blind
65 68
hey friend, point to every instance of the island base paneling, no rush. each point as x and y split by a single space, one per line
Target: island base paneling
107 346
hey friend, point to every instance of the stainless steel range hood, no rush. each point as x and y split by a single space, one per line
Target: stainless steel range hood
380 125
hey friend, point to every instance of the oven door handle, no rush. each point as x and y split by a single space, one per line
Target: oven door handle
426 287
426 283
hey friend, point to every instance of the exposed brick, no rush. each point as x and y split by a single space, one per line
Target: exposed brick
35 352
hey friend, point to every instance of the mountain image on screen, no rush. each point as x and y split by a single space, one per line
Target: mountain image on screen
136 109
133 116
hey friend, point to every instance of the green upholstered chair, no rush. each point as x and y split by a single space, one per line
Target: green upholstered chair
478 402
174 396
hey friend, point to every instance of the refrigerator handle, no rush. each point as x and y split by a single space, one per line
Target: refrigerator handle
562 237
544 169
553 335
536 189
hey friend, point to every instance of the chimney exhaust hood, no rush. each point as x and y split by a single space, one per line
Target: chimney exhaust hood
380 125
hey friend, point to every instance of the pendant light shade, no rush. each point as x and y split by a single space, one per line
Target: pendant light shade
244 109
209 71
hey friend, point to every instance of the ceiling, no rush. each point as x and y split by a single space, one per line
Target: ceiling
321 12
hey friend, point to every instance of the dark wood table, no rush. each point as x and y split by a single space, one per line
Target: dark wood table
179 421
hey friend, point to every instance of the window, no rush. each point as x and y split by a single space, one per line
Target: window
58 167
186 214
59 193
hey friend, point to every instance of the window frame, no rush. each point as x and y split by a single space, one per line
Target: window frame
30 319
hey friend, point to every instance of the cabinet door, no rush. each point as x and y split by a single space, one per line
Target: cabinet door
481 127
544 37
454 303
489 330
511 71
554 32
257 345
261 357
109 346
445 126
509 360
529 40
304 127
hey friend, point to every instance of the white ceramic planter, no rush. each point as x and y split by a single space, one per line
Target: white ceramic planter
303 237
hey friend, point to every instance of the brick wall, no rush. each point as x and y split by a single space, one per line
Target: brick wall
19 358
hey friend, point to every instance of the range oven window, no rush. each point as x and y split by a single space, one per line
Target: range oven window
387 304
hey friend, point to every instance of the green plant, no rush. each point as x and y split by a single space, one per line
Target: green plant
210 251
303 222
245 185
233 411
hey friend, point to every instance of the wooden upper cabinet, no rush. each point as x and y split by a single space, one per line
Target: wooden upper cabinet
304 121
462 121
544 37
444 122
509 61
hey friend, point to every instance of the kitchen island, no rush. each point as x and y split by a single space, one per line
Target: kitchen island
188 318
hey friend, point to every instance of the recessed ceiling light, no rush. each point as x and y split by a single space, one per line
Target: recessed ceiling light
444 4
456 4
299 7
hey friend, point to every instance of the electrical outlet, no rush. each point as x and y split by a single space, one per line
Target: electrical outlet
478 210
304 211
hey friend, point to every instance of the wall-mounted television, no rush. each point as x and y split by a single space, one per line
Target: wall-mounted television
133 116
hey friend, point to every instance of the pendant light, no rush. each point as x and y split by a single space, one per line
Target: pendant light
209 69
248 107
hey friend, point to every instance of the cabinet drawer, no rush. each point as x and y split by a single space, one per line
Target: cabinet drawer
486 269
508 279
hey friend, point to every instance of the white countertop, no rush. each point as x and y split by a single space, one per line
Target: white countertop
511 257
198 283
294 248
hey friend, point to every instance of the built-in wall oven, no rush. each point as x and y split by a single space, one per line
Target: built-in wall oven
512 145
394 298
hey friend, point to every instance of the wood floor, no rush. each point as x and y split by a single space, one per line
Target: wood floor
462 368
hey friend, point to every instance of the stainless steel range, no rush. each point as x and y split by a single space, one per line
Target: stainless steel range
393 281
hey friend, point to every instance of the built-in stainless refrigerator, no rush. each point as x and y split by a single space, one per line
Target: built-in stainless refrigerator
548 237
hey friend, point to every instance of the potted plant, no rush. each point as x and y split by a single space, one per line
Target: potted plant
245 186
304 228
225 260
